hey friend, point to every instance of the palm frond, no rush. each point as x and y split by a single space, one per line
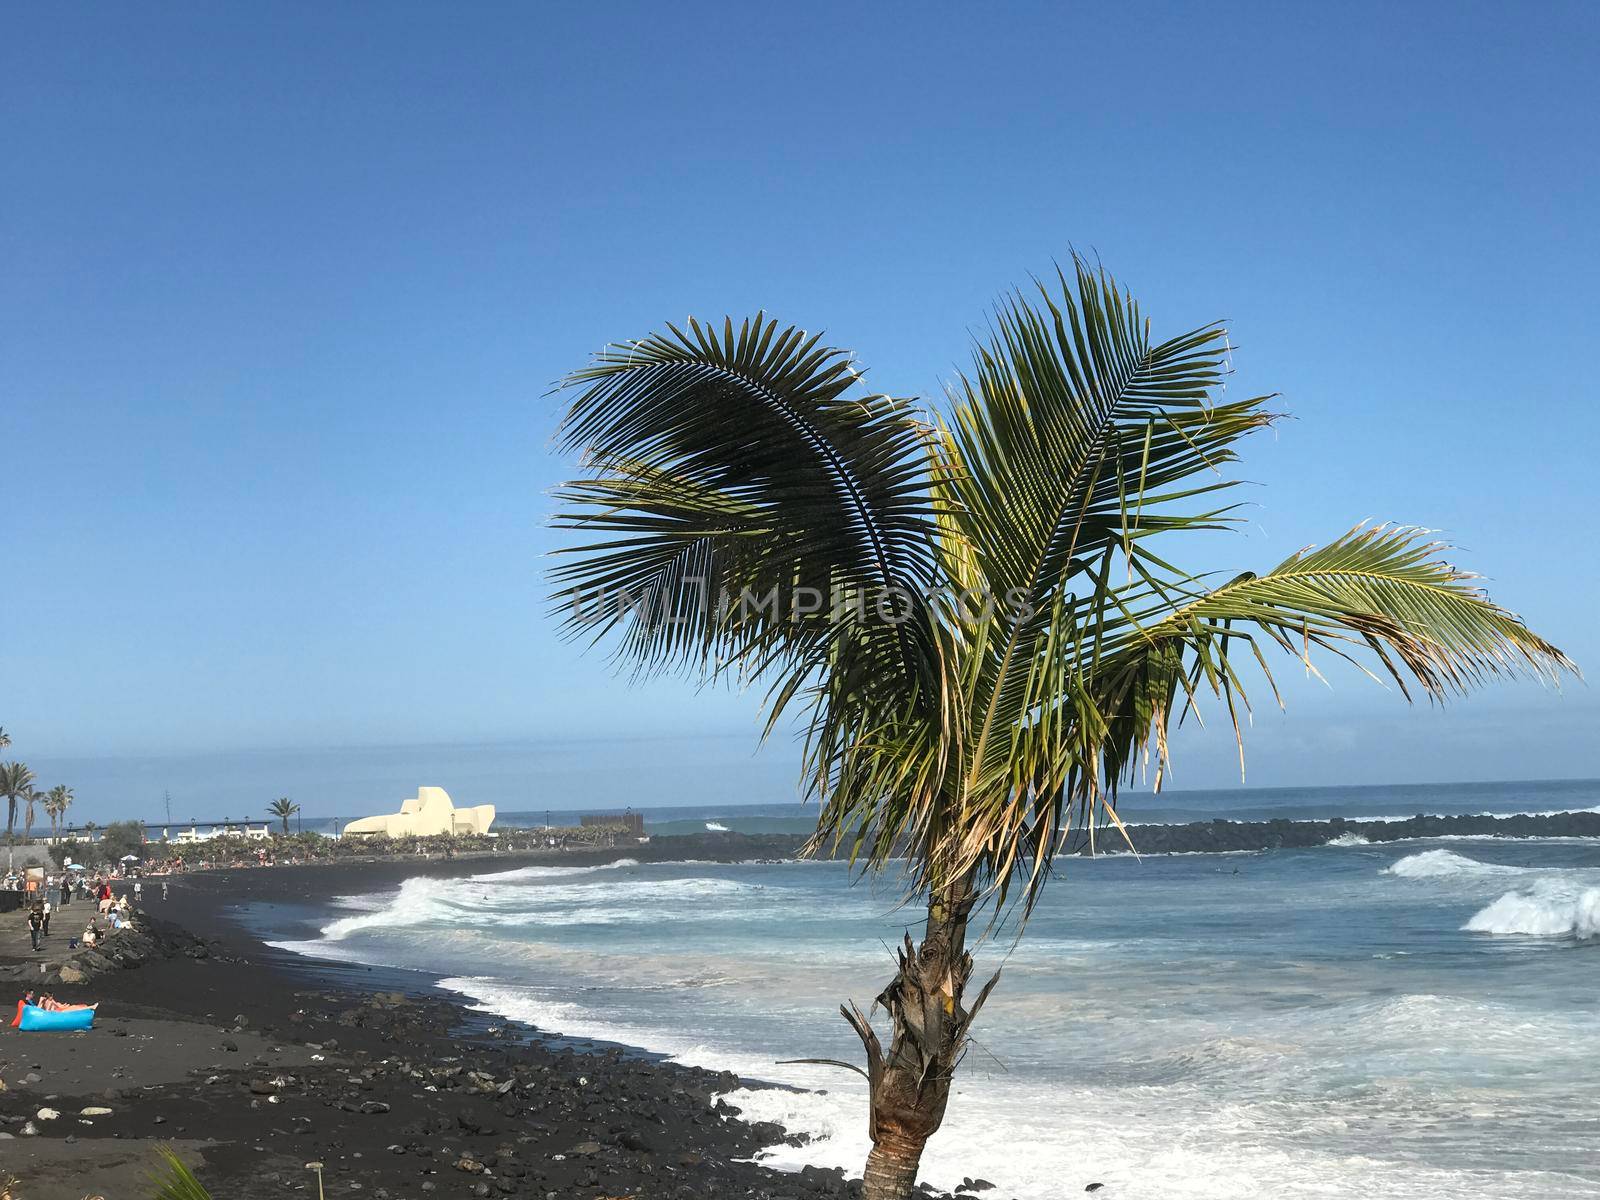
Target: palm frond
739 466
177 1181
1043 641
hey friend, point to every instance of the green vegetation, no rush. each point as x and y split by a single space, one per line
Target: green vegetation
972 610
56 804
16 782
176 1182
283 808
121 838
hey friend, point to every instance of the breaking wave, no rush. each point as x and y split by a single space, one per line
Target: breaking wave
1349 839
1549 909
1443 864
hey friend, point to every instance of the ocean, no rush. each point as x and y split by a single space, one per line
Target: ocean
1412 1020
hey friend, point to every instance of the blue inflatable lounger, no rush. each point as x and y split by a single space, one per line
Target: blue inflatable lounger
35 1019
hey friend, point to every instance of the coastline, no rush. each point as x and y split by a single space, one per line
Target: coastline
252 1060
251 1065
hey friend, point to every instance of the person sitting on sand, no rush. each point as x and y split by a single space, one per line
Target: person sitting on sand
90 934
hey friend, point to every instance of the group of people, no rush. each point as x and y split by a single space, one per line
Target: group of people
117 911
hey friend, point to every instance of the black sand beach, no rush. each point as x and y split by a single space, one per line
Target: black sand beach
252 1064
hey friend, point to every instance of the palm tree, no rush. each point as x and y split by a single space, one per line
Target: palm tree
30 797
16 781
972 612
55 806
5 738
283 808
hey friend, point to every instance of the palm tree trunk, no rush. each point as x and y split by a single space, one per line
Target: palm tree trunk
910 1086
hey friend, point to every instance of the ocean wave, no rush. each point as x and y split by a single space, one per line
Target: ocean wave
1348 839
1444 864
1549 909
556 872
487 901
714 827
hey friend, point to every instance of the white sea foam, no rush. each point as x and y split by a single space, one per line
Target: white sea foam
1348 839
716 828
1161 1140
1444 864
556 872
1215 1096
484 901
1551 908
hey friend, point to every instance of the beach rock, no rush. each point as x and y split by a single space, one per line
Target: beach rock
70 974
470 1165
94 1110
46 1114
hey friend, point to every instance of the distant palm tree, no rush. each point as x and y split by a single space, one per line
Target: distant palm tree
55 806
970 606
5 738
30 797
88 830
15 782
283 808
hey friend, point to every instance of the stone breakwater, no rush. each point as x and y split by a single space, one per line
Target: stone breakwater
1194 837
1218 836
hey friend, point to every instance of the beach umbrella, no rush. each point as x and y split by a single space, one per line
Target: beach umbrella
130 858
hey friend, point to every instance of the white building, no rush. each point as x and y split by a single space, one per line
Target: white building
427 814
195 834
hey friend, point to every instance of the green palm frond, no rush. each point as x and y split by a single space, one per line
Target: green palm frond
974 737
176 1182
741 465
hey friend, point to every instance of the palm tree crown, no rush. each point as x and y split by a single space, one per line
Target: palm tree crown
973 612
283 808
1041 640
56 803
16 780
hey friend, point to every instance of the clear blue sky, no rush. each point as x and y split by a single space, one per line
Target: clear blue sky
282 287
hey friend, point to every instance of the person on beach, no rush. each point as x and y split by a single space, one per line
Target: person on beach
35 922
163 889
138 890
45 908
105 897
90 934
66 891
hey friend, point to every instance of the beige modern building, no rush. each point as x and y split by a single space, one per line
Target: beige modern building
426 814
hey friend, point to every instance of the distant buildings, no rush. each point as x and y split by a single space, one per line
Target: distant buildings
427 814
194 834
